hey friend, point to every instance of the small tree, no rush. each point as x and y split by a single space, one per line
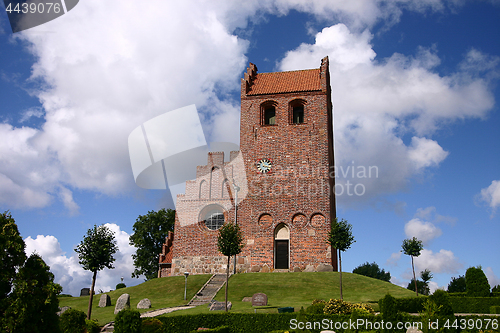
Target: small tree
229 243
372 270
422 286
412 247
457 285
95 253
340 237
476 282
149 235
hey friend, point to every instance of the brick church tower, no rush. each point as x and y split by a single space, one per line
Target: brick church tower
284 165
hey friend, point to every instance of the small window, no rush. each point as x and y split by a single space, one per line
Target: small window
298 114
214 219
270 115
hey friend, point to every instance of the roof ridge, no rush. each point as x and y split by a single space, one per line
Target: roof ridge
297 70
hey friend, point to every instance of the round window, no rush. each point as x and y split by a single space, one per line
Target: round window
214 219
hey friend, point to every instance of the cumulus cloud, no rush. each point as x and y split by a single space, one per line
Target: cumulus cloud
377 102
103 75
393 260
424 231
430 214
68 272
491 195
443 261
493 280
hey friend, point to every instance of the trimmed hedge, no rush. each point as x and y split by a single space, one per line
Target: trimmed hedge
473 304
274 322
73 321
495 309
267 322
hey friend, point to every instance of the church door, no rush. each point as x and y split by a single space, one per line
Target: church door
281 247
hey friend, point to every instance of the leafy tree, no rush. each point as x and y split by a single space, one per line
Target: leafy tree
229 243
73 321
496 289
28 298
476 282
372 270
34 298
340 237
457 285
12 257
422 287
95 253
149 235
412 247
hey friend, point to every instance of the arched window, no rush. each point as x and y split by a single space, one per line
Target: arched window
296 108
268 113
213 217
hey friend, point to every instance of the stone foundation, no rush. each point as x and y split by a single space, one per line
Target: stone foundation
207 265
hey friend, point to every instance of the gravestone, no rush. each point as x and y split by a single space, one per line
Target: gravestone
144 304
85 292
61 310
324 268
104 301
123 302
220 306
246 299
259 299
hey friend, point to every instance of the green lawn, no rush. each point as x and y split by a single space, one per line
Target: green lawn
162 293
282 289
300 289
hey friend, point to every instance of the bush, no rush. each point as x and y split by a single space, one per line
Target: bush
72 321
128 321
317 307
473 304
152 325
476 283
92 326
440 297
495 309
388 308
337 306
372 270
457 285
120 286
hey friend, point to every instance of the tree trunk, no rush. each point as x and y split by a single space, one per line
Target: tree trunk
414 279
227 278
340 266
89 312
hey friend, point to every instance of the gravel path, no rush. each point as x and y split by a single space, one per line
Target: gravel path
163 311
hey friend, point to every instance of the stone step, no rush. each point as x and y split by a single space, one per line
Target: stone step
209 290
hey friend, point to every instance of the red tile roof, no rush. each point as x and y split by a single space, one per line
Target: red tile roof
286 82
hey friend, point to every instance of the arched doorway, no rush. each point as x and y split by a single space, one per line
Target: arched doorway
281 246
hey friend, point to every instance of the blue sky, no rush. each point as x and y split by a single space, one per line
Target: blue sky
415 92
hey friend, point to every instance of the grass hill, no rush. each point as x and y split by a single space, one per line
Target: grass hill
282 289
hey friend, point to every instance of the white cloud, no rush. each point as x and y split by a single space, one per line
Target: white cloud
424 231
493 280
443 261
104 75
430 214
393 260
71 276
377 102
491 195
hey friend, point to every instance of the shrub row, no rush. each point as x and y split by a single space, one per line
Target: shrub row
473 304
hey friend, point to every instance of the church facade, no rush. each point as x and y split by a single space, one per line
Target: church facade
281 179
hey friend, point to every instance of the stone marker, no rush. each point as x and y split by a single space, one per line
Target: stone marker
220 306
104 301
246 299
259 299
61 310
123 302
309 268
85 292
255 269
265 269
144 304
324 268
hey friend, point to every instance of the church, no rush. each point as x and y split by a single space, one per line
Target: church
279 187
